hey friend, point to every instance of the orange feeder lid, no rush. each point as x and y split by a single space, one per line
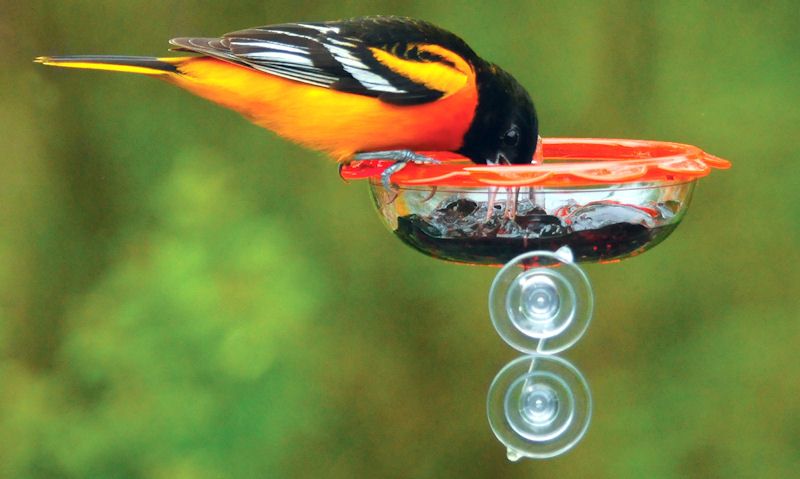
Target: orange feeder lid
567 162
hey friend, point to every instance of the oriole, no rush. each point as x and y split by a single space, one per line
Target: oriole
368 87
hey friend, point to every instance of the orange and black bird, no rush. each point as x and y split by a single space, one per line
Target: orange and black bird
374 87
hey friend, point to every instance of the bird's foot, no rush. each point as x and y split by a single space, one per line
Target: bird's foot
401 158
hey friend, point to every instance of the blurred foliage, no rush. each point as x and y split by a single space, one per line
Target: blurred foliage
185 295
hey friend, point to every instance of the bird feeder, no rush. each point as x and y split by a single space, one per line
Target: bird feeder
584 200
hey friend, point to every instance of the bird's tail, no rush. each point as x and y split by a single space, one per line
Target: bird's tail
141 65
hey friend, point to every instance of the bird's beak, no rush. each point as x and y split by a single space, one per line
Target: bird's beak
500 159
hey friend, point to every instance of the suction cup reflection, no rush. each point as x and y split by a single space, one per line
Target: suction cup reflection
539 406
551 301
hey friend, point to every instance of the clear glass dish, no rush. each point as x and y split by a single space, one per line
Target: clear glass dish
492 225
605 199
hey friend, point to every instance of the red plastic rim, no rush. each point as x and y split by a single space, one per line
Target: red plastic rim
567 162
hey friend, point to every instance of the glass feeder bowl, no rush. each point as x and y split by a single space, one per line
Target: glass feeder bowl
605 199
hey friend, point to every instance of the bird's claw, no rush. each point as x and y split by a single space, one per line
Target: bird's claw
386 176
401 158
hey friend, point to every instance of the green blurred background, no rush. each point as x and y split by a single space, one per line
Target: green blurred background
184 295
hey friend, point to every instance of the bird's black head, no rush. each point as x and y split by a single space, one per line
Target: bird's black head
505 129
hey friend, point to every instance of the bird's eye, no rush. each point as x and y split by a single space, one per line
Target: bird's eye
511 137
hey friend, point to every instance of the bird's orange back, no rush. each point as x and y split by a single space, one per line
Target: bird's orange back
337 122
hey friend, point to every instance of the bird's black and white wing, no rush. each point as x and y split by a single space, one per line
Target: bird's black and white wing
396 60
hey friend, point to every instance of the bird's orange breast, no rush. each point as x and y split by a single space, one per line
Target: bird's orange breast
326 119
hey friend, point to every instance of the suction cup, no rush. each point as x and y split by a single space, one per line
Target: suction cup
539 406
545 308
